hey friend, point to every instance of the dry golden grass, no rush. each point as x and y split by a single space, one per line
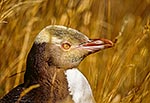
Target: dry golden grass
120 74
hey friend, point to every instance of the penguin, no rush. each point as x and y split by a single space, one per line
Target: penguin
51 74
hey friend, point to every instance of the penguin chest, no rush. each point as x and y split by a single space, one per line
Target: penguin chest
79 87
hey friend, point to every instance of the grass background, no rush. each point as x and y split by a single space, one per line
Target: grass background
119 74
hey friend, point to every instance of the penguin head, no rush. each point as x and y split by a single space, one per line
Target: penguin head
66 47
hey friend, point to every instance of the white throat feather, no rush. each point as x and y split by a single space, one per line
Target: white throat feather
79 87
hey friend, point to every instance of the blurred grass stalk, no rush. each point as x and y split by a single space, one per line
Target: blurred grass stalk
119 74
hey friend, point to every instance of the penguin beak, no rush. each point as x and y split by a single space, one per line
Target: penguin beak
95 45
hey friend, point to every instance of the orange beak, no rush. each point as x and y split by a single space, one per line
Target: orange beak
95 45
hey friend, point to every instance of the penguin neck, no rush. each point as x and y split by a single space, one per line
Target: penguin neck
40 68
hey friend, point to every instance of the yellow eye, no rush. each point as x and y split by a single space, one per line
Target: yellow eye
66 46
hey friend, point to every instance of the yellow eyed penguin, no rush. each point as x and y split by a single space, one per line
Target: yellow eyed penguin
51 64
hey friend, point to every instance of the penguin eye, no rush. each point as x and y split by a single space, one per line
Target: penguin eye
66 46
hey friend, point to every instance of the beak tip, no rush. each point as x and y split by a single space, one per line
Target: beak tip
107 43
110 44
